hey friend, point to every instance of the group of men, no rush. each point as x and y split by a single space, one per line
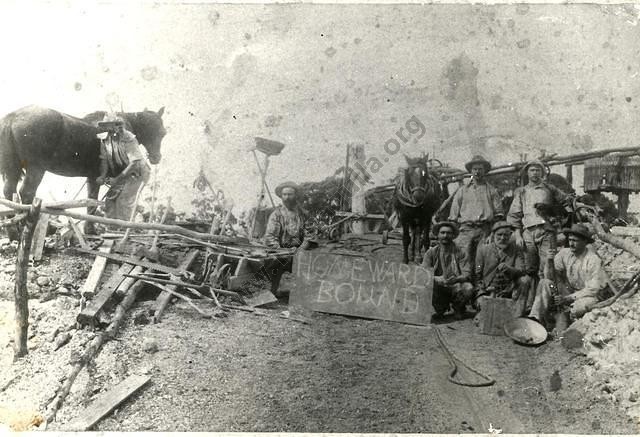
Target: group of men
483 250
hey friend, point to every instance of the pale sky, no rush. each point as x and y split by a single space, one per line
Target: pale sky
318 77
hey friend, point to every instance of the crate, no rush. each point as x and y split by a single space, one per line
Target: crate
494 313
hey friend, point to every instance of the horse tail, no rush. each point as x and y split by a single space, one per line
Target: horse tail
10 167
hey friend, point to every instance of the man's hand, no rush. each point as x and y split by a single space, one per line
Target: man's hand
563 300
101 180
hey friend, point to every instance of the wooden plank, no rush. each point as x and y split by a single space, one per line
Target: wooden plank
369 287
494 313
88 315
165 297
79 234
106 402
93 278
37 244
134 261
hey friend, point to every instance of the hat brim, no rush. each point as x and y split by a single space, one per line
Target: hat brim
487 165
510 227
437 226
586 237
280 188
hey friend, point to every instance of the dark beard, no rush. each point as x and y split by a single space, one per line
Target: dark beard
289 204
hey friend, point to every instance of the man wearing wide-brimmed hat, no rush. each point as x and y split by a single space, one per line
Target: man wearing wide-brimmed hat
285 225
285 229
532 228
500 269
451 270
581 280
475 206
120 155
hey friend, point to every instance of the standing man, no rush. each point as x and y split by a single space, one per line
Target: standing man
120 155
451 270
580 278
475 206
500 269
532 229
285 229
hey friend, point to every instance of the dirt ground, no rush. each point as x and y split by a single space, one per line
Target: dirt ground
267 372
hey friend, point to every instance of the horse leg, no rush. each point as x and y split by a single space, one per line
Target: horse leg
406 239
412 252
419 231
30 184
9 190
93 189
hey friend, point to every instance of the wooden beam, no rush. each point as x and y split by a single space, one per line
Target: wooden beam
165 297
92 349
89 314
125 224
79 234
106 402
134 261
358 193
20 292
93 278
39 234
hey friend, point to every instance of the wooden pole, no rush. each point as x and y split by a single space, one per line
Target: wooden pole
357 195
20 292
569 173
125 224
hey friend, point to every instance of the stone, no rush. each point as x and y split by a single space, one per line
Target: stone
149 345
43 281
573 337
141 319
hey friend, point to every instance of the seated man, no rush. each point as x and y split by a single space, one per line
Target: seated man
451 270
580 278
285 229
500 269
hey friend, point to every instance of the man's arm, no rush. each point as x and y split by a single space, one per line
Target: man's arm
465 266
456 203
515 214
272 234
596 277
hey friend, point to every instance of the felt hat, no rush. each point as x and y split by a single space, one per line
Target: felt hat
580 230
478 159
287 184
452 225
501 224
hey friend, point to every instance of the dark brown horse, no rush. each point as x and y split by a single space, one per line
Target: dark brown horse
35 140
416 198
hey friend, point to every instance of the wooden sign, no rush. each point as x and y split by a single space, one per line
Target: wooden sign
367 287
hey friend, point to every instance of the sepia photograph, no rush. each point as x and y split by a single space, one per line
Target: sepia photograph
320 217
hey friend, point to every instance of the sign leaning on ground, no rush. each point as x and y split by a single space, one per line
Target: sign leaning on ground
362 286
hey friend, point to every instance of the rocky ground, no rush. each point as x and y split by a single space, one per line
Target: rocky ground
269 372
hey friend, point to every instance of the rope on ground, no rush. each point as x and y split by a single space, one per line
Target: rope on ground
453 361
